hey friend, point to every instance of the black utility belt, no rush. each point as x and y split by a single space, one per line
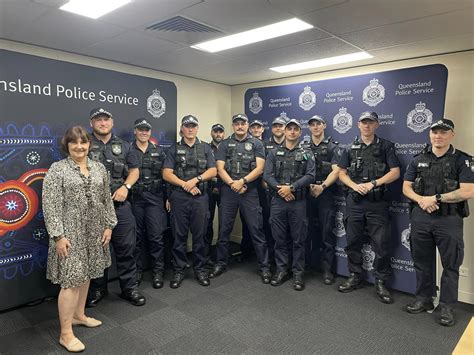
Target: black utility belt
377 194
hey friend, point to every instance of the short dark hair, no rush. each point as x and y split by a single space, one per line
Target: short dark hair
72 134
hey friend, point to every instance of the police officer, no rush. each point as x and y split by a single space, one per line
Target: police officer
367 166
320 200
289 170
240 161
217 135
278 134
188 167
148 202
256 129
439 181
122 166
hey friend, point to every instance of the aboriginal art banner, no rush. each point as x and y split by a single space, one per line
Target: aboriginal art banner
407 101
39 99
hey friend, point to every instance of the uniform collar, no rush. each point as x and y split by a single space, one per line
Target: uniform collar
247 137
97 140
451 150
182 142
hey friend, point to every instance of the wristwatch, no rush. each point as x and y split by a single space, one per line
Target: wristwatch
245 181
56 238
323 186
199 178
438 198
374 182
292 188
128 186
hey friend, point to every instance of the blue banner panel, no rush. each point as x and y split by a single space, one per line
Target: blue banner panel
406 100
39 99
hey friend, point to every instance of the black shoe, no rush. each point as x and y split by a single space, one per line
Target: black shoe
217 271
158 280
328 278
352 283
280 278
134 297
203 278
382 292
298 284
138 277
419 306
94 299
446 318
177 280
266 277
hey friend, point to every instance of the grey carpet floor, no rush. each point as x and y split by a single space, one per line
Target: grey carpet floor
238 314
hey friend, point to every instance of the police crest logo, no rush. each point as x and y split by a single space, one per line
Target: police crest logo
155 104
374 93
405 237
368 257
255 103
342 122
420 118
338 229
117 149
248 147
307 99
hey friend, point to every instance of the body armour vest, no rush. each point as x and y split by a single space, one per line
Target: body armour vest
437 176
190 161
321 157
367 163
239 164
114 161
150 170
290 166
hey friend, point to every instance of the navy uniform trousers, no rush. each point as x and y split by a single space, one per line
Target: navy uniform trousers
151 224
214 201
429 231
372 218
252 212
123 242
289 216
321 241
189 212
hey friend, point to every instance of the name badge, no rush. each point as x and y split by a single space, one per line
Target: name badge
181 151
423 165
280 152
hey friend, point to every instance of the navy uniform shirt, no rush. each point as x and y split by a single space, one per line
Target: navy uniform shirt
387 151
257 147
464 166
170 160
130 158
216 181
150 197
304 181
270 144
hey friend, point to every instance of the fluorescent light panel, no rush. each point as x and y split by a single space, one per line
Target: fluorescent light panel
252 36
322 62
93 8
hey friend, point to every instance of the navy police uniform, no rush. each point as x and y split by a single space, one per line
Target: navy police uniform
295 168
432 175
240 160
189 212
148 207
321 241
370 213
117 157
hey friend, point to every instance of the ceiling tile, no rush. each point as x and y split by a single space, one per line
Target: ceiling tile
301 7
18 14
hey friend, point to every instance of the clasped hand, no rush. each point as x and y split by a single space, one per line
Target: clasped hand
428 204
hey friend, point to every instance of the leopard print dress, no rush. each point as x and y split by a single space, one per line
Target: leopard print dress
80 208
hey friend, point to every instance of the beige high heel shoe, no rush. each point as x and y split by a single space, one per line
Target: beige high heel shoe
89 322
74 346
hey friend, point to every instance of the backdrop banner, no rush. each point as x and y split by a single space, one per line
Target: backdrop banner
407 102
39 99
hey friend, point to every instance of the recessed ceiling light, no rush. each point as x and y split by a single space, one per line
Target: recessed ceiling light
252 36
93 8
323 62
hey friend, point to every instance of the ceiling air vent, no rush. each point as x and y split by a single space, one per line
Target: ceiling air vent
181 24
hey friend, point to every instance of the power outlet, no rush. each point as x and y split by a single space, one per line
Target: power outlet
463 271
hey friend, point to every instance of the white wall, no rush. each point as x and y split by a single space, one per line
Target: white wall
459 107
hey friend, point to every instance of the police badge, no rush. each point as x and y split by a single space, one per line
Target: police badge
374 93
307 99
368 257
255 103
405 237
155 104
338 229
248 147
342 122
116 149
420 118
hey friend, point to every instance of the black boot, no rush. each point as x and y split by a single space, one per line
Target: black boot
94 299
419 306
203 278
158 280
217 271
446 318
266 277
134 297
177 280
382 292
279 278
352 283
298 284
328 278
